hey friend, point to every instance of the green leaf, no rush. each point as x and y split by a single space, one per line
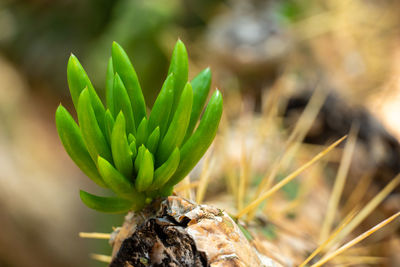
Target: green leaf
72 140
152 141
118 182
166 191
198 143
131 138
122 103
106 204
146 172
245 232
120 149
133 148
109 125
109 87
177 129
201 87
94 139
77 81
122 65
139 158
180 67
160 112
142 133
165 171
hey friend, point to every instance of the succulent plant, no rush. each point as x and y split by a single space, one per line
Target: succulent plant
138 156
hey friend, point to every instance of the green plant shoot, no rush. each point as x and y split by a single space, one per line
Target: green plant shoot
137 156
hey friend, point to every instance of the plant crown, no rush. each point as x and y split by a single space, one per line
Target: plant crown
138 156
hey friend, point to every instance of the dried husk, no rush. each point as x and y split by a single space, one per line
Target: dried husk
177 232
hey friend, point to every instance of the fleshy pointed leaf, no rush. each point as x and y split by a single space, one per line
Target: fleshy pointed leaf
198 143
95 141
201 87
77 81
122 103
177 129
133 148
146 172
131 138
142 133
106 204
72 140
109 87
123 66
165 171
109 125
152 141
120 149
180 67
117 182
166 191
139 158
161 110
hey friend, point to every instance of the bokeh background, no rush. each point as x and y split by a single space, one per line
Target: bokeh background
348 48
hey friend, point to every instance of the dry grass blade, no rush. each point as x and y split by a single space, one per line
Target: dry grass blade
339 184
254 204
306 120
360 263
186 186
243 178
359 191
334 156
101 257
368 208
295 139
293 143
306 188
357 260
203 182
355 241
366 249
270 100
94 235
330 238
231 180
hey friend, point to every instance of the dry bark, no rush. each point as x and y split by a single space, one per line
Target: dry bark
177 232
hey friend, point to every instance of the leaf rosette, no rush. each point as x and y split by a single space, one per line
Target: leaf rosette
138 156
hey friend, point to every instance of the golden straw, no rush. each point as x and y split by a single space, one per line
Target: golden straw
101 257
204 176
254 204
186 186
359 191
369 208
339 184
95 235
330 238
355 241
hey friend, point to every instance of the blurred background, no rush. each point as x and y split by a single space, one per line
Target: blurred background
347 49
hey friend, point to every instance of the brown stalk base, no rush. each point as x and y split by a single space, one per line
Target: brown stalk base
159 242
177 232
